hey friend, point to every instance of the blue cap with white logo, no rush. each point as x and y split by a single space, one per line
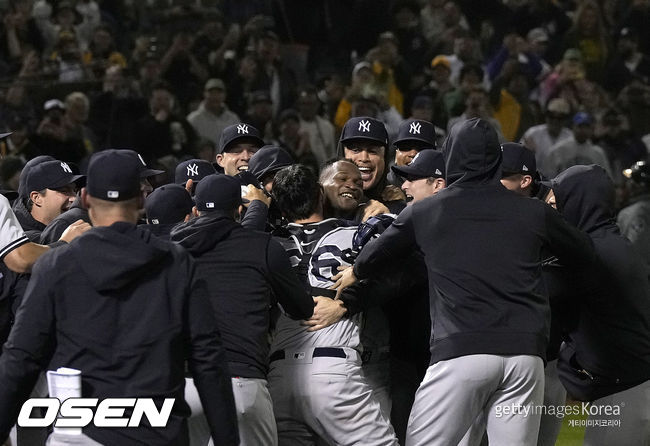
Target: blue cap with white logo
239 132
364 128
417 132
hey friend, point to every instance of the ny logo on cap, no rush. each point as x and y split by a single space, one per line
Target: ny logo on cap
65 167
242 128
524 168
415 128
192 170
364 126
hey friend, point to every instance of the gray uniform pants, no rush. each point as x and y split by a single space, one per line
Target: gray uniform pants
631 427
326 400
554 396
255 420
455 392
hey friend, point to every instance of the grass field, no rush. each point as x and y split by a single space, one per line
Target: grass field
571 435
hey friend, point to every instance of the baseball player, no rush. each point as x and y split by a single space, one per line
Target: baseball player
242 269
413 136
489 318
319 391
606 357
128 326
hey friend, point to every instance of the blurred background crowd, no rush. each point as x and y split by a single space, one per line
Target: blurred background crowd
166 76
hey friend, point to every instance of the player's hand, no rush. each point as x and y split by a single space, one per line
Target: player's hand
74 230
255 193
326 312
343 279
372 208
188 186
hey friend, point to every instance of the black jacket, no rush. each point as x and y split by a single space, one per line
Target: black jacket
243 269
611 335
126 309
482 247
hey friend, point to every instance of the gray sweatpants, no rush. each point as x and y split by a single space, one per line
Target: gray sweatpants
255 420
326 400
630 427
554 396
455 392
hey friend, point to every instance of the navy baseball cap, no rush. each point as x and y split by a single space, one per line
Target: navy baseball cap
218 193
194 169
168 204
239 132
269 159
113 175
145 172
426 164
50 175
22 180
517 159
364 128
416 131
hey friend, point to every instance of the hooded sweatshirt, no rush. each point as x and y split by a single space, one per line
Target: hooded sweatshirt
245 272
32 227
482 247
125 308
611 336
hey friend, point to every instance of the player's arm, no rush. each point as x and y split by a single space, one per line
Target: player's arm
21 254
29 347
396 242
286 286
207 364
572 246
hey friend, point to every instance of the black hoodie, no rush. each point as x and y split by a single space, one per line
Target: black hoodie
56 227
126 309
32 227
611 336
482 247
243 270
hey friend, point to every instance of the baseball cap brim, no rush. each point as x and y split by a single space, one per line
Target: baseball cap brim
65 181
363 138
411 172
146 172
255 139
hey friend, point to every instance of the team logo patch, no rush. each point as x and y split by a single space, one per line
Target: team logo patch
65 167
415 128
364 126
192 170
299 355
524 168
242 129
209 205
113 194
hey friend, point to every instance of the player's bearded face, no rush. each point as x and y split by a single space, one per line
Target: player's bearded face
369 158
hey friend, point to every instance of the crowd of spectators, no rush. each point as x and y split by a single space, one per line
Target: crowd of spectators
166 76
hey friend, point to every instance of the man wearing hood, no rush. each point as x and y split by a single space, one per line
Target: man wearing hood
243 269
489 309
364 141
606 357
128 326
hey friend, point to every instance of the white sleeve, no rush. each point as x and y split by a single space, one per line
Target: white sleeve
11 233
